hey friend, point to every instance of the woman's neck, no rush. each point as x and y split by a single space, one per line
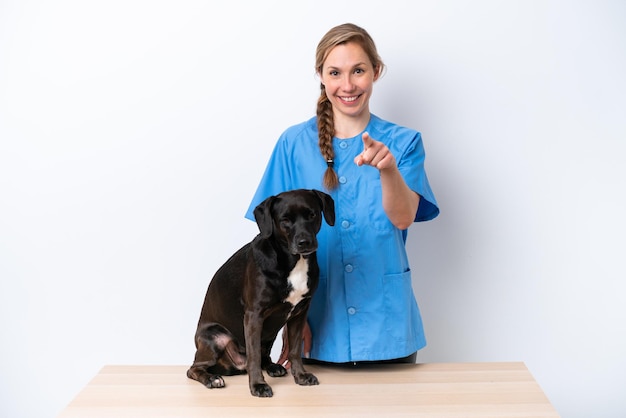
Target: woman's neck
348 127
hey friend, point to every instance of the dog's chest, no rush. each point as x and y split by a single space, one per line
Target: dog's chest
298 281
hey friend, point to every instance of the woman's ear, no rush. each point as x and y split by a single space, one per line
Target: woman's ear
377 72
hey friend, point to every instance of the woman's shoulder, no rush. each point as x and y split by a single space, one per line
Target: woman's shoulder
386 129
307 128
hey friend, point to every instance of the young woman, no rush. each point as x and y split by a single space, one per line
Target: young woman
364 308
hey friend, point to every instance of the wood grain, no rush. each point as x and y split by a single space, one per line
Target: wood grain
421 390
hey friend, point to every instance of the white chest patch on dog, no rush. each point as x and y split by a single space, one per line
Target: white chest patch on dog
298 279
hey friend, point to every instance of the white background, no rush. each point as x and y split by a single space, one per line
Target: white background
133 135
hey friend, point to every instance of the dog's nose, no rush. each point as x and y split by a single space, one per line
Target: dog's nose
304 244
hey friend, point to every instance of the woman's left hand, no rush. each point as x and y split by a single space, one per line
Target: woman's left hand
399 201
375 153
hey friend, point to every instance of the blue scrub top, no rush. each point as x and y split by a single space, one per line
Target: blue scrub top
364 308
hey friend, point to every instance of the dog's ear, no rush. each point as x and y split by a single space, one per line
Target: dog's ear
328 207
263 216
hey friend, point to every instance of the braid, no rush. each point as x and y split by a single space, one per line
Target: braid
326 131
338 35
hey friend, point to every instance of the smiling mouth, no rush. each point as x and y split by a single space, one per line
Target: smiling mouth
349 99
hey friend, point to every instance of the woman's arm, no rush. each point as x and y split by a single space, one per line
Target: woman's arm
399 201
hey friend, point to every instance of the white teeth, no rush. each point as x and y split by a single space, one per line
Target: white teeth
349 99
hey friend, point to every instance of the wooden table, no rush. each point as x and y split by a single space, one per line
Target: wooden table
420 390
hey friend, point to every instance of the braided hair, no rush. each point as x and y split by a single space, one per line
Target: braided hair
338 35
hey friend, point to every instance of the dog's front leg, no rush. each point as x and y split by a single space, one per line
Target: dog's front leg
253 325
294 335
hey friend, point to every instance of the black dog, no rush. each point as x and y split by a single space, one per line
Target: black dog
266 284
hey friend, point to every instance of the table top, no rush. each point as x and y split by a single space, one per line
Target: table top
416 390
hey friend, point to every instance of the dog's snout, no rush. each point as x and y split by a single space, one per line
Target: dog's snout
304 244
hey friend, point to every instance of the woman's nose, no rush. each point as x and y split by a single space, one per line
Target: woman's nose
346 83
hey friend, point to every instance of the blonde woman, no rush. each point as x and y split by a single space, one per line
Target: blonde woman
364 309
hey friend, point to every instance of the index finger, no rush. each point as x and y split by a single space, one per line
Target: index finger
367 140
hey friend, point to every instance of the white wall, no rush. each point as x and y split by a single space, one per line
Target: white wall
133 134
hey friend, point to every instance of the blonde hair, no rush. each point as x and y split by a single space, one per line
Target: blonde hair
338 35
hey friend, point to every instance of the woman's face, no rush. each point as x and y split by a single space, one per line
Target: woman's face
348 77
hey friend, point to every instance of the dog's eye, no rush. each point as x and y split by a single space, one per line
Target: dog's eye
285 223
312 215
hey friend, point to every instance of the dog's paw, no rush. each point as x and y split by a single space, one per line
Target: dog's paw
276 370
262 390
306 379
215 382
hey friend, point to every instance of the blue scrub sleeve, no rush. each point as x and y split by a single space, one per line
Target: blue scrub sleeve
411 166
276 178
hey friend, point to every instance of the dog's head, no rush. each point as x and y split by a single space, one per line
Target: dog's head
294 218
